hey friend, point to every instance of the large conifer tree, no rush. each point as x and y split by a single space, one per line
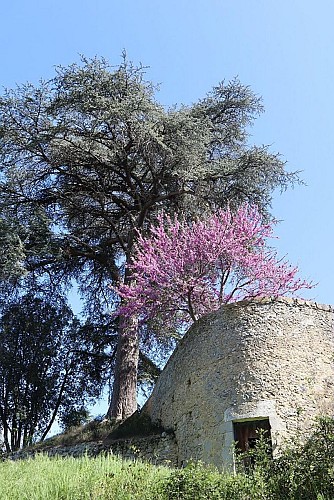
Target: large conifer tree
96 156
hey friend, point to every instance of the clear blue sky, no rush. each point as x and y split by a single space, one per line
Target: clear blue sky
283 49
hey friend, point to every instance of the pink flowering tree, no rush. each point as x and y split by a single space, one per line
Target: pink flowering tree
182 271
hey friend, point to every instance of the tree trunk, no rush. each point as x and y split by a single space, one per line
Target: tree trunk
57 405
124 395
5 429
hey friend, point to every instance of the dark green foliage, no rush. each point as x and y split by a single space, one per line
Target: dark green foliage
199 482
303 472
11 252
46 367
74 417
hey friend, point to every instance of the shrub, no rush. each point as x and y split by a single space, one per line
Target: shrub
200 482
303 471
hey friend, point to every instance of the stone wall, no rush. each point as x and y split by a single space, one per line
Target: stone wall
250 360
261 359
158 450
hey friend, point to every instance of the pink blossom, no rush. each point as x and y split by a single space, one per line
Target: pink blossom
181 271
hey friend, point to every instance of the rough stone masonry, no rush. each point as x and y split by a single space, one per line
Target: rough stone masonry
264 360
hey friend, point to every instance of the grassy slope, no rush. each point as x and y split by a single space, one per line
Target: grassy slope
303 472
103 477
92 431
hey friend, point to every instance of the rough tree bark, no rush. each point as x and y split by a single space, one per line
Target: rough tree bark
124 396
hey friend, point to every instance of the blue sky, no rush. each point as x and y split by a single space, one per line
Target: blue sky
283 50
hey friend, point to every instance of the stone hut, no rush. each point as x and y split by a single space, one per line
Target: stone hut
259 364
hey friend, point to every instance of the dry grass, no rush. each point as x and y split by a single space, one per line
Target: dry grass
92 431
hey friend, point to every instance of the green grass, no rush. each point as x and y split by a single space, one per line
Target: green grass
108 477
103 477
305 471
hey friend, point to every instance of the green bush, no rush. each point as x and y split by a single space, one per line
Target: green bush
307 471
303 471
200 482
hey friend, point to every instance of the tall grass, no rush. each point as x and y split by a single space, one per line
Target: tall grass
303 472
103 477
107 477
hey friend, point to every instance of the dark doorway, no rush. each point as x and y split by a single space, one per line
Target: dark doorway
247 433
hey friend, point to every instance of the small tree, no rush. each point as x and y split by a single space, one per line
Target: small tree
46 367
181 271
